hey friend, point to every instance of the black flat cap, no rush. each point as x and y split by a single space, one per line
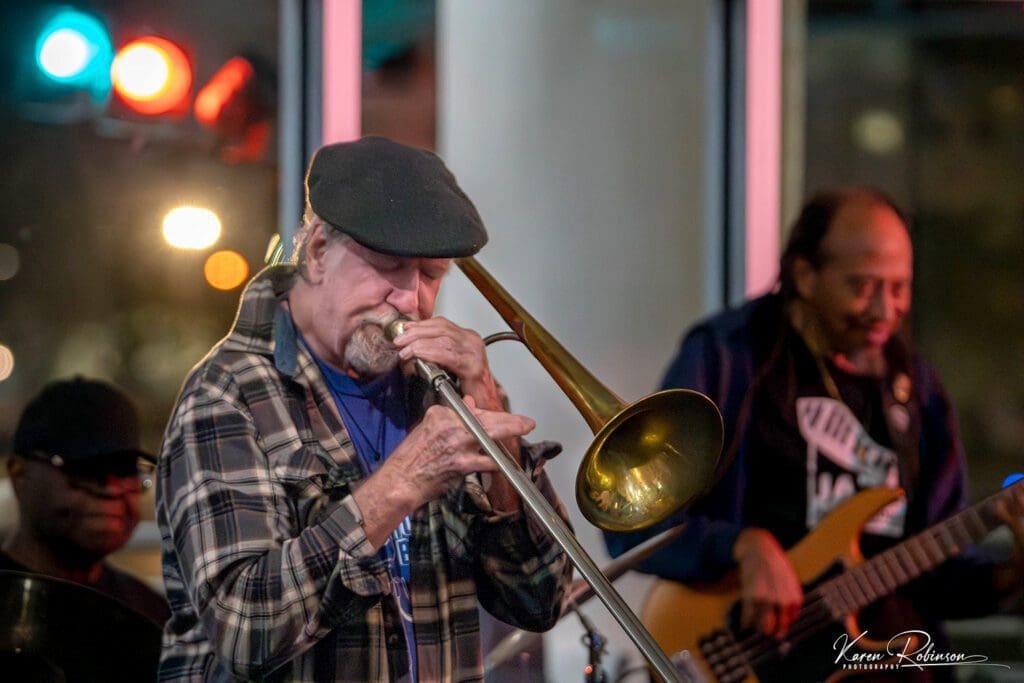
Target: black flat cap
393 199
80 420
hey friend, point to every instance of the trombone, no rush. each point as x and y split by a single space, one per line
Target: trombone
648 460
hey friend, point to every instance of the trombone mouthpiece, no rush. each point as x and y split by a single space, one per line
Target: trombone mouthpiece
429 371
395 329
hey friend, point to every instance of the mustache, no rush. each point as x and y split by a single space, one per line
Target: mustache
380 319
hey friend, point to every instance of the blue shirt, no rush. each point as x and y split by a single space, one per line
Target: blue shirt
375 416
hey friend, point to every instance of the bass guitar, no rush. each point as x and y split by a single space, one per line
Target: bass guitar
838 581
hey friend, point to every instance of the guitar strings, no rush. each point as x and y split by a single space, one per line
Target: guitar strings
810 616
759 648
766 648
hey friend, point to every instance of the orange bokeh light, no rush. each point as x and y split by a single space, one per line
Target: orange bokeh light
225 269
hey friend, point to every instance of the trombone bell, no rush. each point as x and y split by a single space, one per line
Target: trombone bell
650 460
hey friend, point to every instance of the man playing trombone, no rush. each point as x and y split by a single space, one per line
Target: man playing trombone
321 520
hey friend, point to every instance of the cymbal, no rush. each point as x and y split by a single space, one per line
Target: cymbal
53 630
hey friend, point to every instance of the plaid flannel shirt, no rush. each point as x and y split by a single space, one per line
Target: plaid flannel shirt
268 572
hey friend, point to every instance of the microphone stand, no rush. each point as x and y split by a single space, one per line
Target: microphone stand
595 642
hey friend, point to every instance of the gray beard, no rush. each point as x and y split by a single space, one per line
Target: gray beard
369 352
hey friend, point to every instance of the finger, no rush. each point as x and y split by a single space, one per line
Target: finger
435 327
1014 503
747 613
1013 522
465 364
407 336
1003 511
792 606
768 620
432 328
787 616
446 425
782 619
484 411
797 592
428 327
495 418
438 336
500 426
440 350
470 463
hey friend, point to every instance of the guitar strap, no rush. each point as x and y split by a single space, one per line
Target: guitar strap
902 408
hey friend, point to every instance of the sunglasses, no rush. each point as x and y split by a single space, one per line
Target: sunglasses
135 475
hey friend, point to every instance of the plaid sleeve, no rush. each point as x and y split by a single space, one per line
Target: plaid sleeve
522 574
264 586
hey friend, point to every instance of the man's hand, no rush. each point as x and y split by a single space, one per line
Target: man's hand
434 458
1009 576
770 592
462 353
440 451
458 350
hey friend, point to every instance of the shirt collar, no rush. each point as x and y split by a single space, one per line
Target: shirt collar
263 324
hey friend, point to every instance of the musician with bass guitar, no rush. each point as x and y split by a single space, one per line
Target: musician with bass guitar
823 398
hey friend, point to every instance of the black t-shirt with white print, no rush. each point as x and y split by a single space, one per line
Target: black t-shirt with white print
808 452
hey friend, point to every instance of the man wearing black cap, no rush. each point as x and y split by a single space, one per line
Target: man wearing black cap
75 473
322 521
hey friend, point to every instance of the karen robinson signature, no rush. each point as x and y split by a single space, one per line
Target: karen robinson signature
907 650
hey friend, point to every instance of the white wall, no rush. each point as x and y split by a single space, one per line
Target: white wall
585 132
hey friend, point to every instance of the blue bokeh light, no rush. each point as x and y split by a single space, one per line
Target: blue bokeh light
1012 479
74 49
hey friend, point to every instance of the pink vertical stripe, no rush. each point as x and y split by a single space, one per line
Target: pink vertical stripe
342 70
764 144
